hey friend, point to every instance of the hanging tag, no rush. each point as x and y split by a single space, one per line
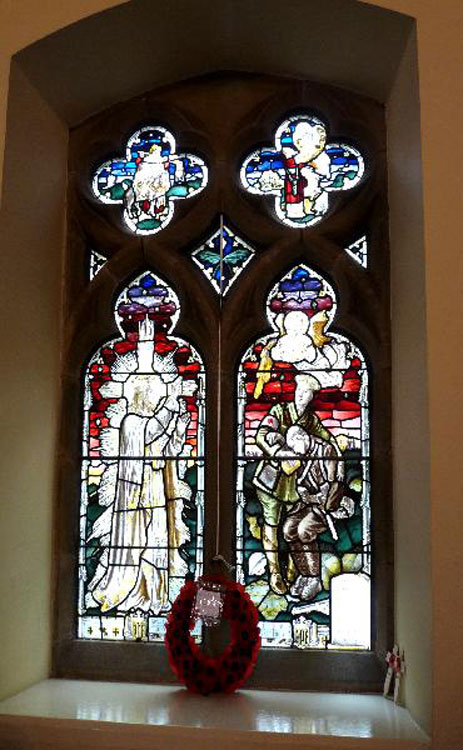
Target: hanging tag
208 604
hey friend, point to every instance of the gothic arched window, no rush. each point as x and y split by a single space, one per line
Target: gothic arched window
303 490
228 230
142 470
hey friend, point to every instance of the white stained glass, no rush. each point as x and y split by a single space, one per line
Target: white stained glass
358 250
112 628
301 169
308 634
157 629
302 440
142 477
97 262
351 611
276 634
149 179
89 627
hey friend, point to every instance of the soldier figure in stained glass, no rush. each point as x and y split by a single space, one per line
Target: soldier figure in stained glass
299 482
285 476
320 486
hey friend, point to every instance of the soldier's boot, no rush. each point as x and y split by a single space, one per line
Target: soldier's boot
292 571
270 543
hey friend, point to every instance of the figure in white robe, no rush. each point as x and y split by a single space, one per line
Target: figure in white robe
148 195
143 523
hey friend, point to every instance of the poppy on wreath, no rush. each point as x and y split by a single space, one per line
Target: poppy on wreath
229 670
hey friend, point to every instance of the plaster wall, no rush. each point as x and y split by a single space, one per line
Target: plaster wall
31 235
440 58
410 438
440 61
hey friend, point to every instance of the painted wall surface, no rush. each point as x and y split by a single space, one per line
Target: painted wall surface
31 235
410 438
440 60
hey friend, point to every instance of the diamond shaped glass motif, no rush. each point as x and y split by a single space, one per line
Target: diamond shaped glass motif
222 258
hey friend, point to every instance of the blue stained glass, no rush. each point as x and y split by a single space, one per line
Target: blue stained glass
222 258
149 179
142 501
303 491
301 170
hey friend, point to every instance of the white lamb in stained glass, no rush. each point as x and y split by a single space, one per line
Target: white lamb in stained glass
149 179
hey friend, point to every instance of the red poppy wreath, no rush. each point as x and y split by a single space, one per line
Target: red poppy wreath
228 671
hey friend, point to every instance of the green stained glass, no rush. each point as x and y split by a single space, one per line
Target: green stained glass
222 258
148 180
142 503
303 491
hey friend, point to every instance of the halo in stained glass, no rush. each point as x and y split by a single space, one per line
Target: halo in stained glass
222 258
303 490
142 498
301 169
149 179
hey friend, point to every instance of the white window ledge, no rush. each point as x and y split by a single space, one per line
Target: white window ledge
81 714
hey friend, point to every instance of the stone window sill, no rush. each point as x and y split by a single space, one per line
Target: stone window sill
83 714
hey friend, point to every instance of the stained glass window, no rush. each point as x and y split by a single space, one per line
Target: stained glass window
303 490
288 491
141 513
222 258
97 261
358 250
149 179
301 170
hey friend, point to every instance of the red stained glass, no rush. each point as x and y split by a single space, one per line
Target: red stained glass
191 369
122 347
306 381
164 347
146 373
351 385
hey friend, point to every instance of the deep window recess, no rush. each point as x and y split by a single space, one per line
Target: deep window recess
234 231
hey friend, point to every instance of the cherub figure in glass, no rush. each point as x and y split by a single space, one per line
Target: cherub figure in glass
149 179
303 518
301 170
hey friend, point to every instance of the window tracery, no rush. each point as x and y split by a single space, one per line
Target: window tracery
301 170
270 248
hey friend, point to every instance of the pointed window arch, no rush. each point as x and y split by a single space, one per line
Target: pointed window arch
303 493
142 469
152 494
